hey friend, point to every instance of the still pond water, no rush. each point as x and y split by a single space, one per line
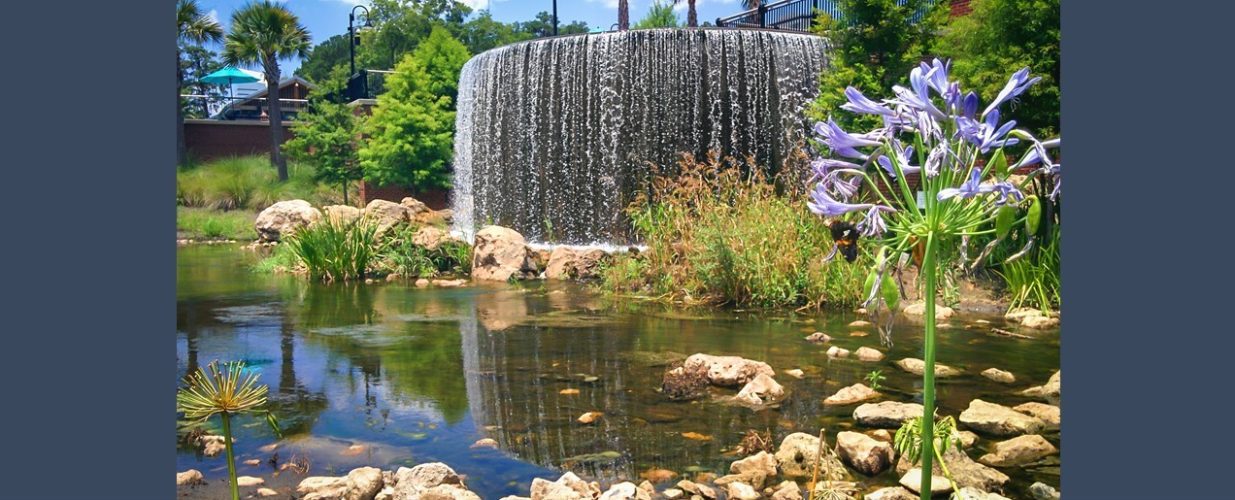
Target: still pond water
390 375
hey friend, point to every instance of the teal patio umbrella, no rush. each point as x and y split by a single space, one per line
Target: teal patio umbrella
231 75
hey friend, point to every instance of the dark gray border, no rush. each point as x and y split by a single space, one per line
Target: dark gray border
1147 116
89 291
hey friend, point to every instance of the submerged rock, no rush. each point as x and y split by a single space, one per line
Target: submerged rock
918 367
998 375
853 394
267 492
998 420
727 371
485 443
865 454
797 455
658 475
917 311
246 481
886 414
284 218
590 417
1019 450
500 254
795 373
838 352
818 338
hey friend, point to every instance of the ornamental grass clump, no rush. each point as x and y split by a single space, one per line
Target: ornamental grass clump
227 392
961 187
332 250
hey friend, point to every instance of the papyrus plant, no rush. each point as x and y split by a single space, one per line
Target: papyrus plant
958 153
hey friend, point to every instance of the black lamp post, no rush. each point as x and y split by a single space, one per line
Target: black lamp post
352 41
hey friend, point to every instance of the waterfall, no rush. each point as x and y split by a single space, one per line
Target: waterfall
554 137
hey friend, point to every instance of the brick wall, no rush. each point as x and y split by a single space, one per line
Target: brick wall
436 199
210 139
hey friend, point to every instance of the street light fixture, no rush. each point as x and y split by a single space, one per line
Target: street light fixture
352 39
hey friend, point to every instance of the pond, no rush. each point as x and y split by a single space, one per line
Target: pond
391 375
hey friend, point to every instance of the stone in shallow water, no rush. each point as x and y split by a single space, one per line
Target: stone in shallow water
864 453
964 470
1048 390
853 394
189 477
818 338
838 352
1019 450
741 491
755 469
886 414
760 390
1046 413
727 371
912 480
244 481
998 375
998 420
918 367
868 354
590 417
795 373
797 454
891 493
1043 491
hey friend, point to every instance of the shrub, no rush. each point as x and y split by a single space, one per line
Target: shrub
718 232
336 251
401 256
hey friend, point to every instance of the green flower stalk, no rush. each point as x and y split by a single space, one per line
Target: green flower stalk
226 392
963 189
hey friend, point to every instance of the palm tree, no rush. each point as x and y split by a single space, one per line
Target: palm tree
623 15
751 4
263 32
692 18
192 27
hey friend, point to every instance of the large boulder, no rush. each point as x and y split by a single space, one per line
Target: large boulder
500 254
886 414
574 263
1044 412
341 214
999 420
284 218
430 481
864 453
798 453
1019 450
755 469
761 390
359 484
850 395
727 371
386 215
430 238
918 367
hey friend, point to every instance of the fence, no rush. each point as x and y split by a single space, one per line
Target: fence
795 15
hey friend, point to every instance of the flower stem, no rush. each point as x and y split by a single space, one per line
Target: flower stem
231 459
928 371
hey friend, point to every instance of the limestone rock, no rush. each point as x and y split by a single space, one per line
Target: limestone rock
741 491
891 493
727 371
998 420
912 480
694 488
818 338
886 414
917 311
1044 412
971 493
485 443
797 454
967 438
918 367
964 470
869 456
795 373
267 492
386 215
341 214
860 323
761 390
1048 390
1042 491
360 484
430 238
284 218
998 375
429 480
868 354
413 205
838 352
625 491
246 481
787 490
570 263
853 394
673 493
191 477
755 469
500 253
1019 450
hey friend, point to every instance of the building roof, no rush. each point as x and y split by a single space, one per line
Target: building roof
261 94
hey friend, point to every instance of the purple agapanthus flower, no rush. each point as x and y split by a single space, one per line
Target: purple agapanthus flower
902 159
974 187
841 142
1016 85
873 225
988 133
937 74
969 105
822 203
919 96
935 159
821 166
860 104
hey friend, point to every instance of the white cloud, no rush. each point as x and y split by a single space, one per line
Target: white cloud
213 15
612 4
476 4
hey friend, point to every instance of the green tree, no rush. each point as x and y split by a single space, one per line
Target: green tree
322 59
482 33
660 15
325 135
401 25
1000 35
412 128
192 27
874 45
263 32
198 61
542 26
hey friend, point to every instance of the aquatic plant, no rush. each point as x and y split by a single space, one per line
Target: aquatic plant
874 377
333 250
401 255
227 392
908 442
961 187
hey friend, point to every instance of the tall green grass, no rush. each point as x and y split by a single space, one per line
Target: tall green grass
249 182
1033 281
201 223
334 250
403 257
718 234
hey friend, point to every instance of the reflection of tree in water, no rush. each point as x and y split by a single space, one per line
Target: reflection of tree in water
296 406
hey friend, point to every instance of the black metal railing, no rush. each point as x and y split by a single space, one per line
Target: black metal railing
794 15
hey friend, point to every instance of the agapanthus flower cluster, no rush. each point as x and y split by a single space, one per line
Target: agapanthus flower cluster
931 128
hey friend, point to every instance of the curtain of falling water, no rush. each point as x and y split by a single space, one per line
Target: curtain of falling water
554 137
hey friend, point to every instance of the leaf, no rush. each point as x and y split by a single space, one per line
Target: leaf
1003 220
999 164
1034 217
273 422
870 283
891 296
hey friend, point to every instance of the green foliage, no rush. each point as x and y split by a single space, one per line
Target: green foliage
403 257
282 259
660 15
412 127
715 235
325 58
248 182
542 26
264 32
482 33
909 443
875 377
200 223
332 250
1002 35
873 47
197 62
325 136
1034 281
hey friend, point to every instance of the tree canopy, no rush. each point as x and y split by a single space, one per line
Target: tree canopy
324 136
660 15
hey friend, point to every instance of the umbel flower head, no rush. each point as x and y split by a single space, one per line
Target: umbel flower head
213 390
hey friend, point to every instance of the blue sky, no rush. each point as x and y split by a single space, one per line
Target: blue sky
326 18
